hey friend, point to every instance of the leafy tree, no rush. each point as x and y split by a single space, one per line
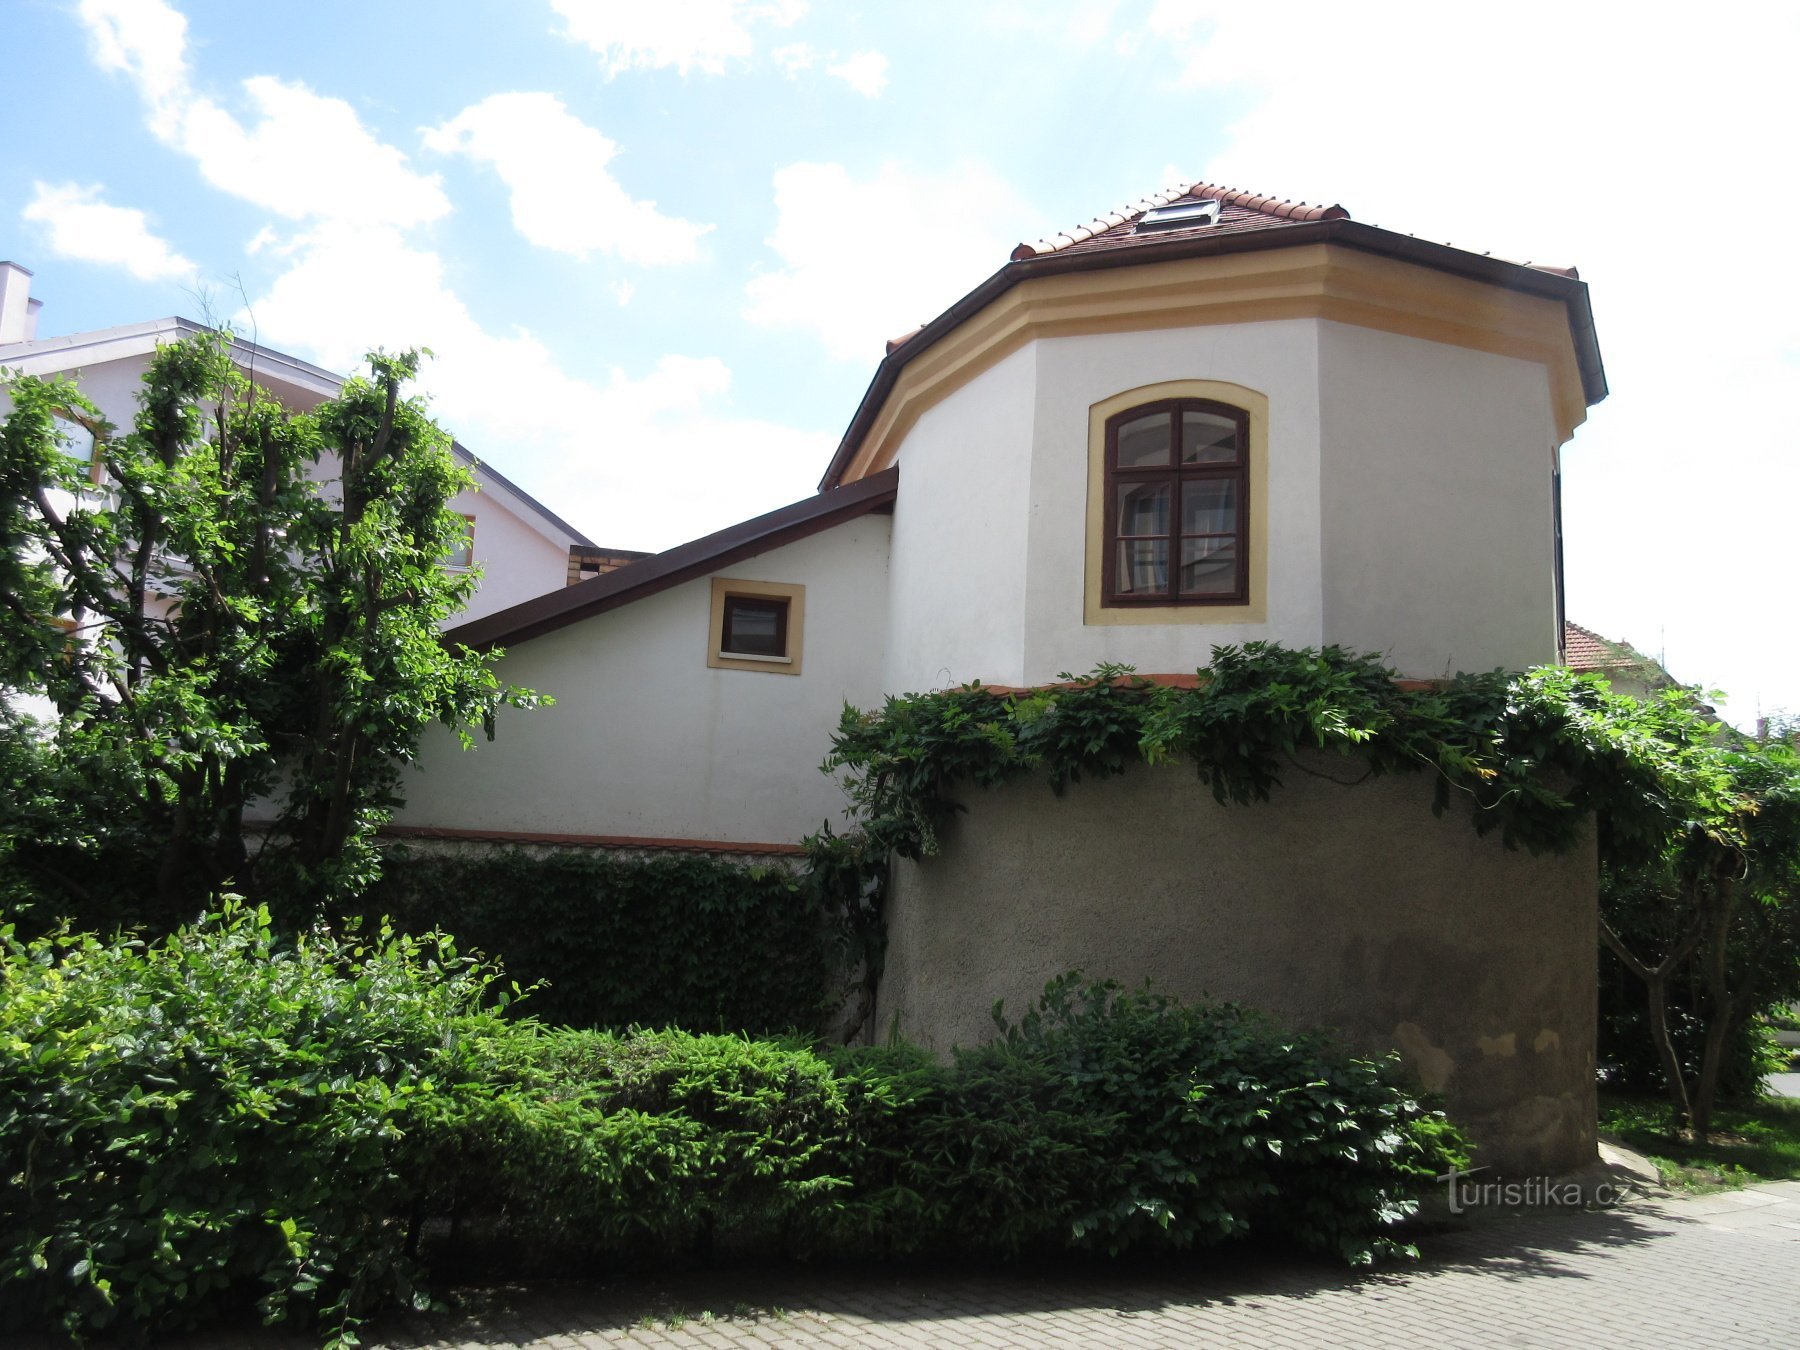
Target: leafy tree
1700 889
238 633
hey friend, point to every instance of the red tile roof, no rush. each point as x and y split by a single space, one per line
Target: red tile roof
1585 650
1239 211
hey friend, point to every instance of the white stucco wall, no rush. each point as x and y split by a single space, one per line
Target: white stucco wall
1407 511
960 525
647 740
1278 360
1438 523
516 560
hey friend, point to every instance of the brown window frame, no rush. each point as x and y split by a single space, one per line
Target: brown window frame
1176 475
781 605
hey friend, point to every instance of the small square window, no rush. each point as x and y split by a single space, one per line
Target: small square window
754 626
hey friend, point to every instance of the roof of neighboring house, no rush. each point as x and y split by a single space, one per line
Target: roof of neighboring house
1247 221
660 571
70 351
1585 650
39 356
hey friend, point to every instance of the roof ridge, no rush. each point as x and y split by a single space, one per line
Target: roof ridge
1057 242
1270 206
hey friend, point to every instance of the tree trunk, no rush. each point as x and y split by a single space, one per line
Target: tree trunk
1656 983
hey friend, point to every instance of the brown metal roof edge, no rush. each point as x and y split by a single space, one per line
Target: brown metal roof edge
1553 285
476 461
658 572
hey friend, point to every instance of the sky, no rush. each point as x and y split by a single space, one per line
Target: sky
655 248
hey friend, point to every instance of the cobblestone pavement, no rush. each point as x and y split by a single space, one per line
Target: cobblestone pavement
1714 1270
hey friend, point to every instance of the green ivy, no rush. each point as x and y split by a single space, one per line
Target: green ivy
1530 755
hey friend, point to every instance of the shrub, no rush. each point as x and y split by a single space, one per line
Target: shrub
653 1143
226 1118
1111 1120
611 942
216 1119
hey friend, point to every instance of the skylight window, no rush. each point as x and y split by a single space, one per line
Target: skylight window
1179 216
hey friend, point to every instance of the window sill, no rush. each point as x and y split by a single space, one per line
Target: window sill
753 656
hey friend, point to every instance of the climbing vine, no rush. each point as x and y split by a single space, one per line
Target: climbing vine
1530 756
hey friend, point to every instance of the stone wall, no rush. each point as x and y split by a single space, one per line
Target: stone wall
1330 906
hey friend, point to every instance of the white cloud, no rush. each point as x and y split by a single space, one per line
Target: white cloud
145 40
308 156
865 72
1646 161
82 225
686 34
863 261
794 58
600 445
563 197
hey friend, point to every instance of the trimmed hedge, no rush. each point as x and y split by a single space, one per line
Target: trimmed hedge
227 1118
610 942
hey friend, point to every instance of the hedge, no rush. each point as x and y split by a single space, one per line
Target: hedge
614 942
227 1118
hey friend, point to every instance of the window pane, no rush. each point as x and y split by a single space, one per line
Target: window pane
1144 443
1208 566
1143 566
461 556
1143 508
754 627
1207 438
1209 506
77 440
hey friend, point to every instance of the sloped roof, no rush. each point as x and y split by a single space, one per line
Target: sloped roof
1585 650
1238 211
612 590
1247 221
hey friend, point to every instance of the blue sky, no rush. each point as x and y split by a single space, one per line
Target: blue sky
657 246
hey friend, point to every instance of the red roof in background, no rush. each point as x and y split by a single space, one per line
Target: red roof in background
1584 649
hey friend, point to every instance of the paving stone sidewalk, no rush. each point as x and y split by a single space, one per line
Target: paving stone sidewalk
1718 1270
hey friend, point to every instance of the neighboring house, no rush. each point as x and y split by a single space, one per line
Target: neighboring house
1209 418
1624 668
522 547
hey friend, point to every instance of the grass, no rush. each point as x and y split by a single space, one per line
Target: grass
1752 1141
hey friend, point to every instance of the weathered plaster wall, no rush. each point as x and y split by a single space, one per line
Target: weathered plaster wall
1438 526
647 740
1350 908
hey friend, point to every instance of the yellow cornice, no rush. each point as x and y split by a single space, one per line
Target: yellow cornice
1310 281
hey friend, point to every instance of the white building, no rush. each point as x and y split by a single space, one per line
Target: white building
1208 418
523 548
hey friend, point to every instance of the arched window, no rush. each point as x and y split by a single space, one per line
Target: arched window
1177 504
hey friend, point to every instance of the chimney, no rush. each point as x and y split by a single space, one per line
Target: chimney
18 311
